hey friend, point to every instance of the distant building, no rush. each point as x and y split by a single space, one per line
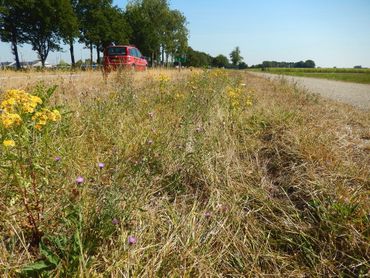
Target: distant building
25 65
357 67
4 65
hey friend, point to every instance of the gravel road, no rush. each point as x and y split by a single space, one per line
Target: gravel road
352 93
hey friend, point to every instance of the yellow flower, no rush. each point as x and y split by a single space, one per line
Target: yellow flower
38 126
35 99
14 93
232 93
9 143
235 103
29 107
55 115
163 78
10 119
41 116
8 105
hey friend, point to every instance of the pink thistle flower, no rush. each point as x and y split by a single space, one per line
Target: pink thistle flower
115 221
79 180
132 240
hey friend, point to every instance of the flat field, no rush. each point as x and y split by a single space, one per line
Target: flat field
167 174
347 75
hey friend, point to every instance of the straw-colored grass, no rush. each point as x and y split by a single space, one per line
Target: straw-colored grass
215 173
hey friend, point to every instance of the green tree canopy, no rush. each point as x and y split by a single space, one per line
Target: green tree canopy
69 24
101 24
43 25
235 56
12 30
220 61
197 59
156 28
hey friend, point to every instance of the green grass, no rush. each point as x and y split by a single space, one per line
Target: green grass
216 173
347 75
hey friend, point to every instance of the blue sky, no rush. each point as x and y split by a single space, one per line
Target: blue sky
330 32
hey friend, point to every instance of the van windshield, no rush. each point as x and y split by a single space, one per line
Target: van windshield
117 51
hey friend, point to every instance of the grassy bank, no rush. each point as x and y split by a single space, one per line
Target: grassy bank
203 173
347 75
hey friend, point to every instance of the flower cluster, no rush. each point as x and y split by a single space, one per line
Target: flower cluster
234 96
163 78
238 97
18 107
44 115
18 101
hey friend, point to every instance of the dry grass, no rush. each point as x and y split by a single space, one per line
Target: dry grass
277 188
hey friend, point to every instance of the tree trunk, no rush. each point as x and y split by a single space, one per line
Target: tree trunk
43 61
91 54
71 50
152 59
15 50
97 55
162 62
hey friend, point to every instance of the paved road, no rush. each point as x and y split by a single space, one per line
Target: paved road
352 93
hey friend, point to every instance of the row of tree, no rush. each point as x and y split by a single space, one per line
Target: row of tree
274 64
47 24
201 59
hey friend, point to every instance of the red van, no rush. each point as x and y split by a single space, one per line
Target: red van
124 56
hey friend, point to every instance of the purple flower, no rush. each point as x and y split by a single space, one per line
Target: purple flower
115 221
101 165
207 214
79 180
58 158
132 240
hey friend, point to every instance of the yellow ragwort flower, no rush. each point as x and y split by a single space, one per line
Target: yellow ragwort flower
164 78
9 143
55 116
10 119
8 105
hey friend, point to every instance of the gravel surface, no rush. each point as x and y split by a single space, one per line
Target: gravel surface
352 93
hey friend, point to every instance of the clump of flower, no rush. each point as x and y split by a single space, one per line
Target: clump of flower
9 143
234 96
163 82
163 78
18 105
42 117
238 97
20 114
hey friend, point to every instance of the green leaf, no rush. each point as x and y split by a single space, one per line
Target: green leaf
51 258
36 267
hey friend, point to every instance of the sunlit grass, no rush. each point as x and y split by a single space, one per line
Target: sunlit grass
198 173
348 75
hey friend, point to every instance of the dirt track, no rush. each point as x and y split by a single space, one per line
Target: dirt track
351 93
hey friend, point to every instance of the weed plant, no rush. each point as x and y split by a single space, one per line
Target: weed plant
203 173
